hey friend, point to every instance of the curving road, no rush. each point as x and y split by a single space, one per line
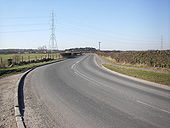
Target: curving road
77 93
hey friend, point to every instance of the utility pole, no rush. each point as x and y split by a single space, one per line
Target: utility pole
161 42
53 42
99 45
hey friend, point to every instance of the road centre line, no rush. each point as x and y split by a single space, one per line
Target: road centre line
86 77
100 84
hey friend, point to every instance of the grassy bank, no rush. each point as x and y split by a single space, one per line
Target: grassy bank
112 61
157 77
22 68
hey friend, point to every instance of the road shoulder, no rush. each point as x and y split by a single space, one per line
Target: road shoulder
8 87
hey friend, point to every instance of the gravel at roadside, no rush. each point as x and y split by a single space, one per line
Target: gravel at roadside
7 94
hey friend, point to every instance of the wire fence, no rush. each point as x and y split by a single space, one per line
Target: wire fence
10 60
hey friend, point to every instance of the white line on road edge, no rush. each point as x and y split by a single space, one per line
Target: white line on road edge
140 80
132 78
146 104
99 84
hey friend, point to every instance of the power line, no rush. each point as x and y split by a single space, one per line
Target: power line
22 17
108 34
25 31
9 25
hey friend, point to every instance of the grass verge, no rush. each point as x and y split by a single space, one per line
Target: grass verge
157 77
112 61
23 68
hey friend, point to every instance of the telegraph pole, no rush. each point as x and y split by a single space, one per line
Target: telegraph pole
99 45
53 42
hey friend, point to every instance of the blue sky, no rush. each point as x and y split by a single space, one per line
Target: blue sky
118 24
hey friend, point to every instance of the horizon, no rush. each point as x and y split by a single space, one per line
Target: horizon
82 47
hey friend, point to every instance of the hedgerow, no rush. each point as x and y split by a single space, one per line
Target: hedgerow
152 58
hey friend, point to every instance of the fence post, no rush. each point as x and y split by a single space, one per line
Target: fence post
22 59
1 62
36 58
15 60
29 58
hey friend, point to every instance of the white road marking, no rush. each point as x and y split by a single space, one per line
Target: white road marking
146 104
100 84
72 67
86 77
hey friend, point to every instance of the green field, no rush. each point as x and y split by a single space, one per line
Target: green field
157 77
23 62
17 58
22 68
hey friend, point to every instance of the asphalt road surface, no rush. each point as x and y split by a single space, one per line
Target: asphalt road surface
77 93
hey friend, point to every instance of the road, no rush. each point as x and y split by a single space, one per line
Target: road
77 93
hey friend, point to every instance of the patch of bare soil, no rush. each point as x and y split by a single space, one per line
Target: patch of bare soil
7 94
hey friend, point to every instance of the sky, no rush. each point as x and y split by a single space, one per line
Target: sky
117 24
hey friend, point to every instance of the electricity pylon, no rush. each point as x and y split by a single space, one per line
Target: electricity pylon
53 42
